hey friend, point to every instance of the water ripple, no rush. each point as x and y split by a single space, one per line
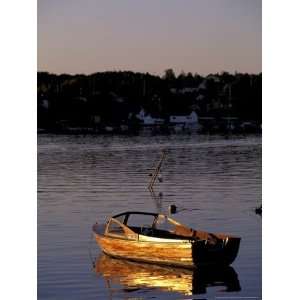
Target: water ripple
216 183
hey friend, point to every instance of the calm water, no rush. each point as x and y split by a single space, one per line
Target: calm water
216 182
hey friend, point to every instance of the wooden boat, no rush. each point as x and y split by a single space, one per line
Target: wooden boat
157 238
136 275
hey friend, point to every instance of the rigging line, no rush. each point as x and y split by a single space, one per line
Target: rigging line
157 169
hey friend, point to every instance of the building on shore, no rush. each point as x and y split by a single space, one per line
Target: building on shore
192 118
184 122
147 119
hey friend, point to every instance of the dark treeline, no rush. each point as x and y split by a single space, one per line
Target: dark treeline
114 98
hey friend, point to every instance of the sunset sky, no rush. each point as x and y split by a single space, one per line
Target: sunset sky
203 36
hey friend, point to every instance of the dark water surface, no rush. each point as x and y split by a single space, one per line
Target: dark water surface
82 179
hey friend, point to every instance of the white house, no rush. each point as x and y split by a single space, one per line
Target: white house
147 119
186 120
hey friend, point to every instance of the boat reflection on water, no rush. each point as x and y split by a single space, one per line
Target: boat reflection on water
132 275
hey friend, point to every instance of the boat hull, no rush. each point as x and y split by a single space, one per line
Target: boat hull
180 253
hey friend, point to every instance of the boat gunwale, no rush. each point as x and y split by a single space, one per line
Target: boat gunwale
163 241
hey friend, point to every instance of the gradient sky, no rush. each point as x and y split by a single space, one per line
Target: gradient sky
203 36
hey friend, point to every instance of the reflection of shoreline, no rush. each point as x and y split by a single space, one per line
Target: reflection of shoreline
132 275
140 132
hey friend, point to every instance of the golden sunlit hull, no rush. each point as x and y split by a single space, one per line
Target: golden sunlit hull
181 247
180 253
146 251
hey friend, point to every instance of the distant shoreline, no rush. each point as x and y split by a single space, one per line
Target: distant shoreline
128 102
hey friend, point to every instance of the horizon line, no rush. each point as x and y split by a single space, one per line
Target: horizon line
149 73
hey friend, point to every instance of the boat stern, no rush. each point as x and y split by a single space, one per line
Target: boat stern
231 248
222 253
